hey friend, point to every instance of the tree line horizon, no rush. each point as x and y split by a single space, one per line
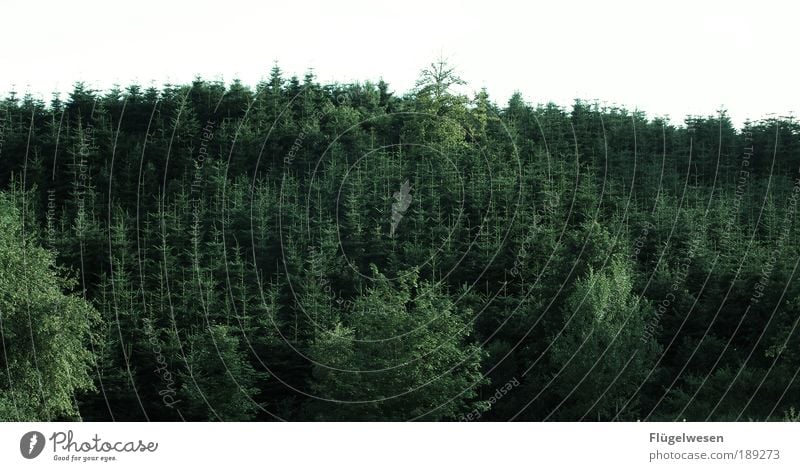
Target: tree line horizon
307 251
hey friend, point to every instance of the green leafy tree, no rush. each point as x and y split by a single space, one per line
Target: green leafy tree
45 331
403 353
602 355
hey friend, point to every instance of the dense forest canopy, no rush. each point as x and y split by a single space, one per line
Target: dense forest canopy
307 251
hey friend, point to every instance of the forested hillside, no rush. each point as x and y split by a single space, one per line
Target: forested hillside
307 251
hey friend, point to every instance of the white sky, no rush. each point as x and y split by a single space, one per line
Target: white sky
672 58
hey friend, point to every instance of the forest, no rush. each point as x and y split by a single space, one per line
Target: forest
306 251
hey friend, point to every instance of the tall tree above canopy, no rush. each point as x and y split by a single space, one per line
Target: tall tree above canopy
442 111
438 79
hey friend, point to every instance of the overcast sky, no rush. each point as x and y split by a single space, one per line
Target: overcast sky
672 58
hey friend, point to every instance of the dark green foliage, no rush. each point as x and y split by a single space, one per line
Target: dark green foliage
304 251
